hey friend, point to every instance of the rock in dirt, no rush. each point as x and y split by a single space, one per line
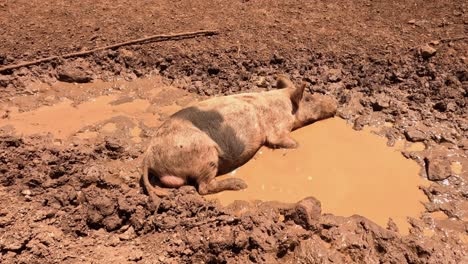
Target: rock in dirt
14 241
438 168
440 106
26 192
391 225
306 212
73 72
113 144
463 144
462 75
415 135
128 57
128 234
4 80
334 75
136 256
261 82
213 69
12 141
104 205
74 75
427 51
380 102
112 222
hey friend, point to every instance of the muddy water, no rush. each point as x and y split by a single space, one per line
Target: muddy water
350 172
65 117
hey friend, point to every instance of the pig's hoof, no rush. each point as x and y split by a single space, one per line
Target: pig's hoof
292 145
239 185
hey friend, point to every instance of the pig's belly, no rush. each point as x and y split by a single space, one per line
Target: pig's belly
238 150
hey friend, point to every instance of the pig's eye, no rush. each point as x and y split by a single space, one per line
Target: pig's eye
307 99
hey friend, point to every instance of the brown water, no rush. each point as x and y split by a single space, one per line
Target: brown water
65 118
350 172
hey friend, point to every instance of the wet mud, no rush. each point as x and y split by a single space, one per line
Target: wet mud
72 132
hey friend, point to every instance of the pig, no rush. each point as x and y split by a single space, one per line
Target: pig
218 135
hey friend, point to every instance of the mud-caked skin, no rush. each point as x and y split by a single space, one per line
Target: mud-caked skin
216 136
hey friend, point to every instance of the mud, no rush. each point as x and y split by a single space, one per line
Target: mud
71 193
350 172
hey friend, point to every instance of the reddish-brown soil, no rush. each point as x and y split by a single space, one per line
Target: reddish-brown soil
80 201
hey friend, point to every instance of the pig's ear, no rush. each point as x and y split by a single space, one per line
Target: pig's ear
296 94
283 82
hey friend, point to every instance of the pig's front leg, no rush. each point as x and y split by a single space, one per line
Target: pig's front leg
281 141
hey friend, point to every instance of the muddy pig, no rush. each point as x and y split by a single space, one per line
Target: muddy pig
216 136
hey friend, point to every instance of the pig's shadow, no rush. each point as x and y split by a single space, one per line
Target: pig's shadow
211 122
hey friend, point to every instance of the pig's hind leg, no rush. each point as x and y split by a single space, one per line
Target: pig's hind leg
208 184
281 141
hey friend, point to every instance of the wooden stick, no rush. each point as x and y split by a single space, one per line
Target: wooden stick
453 39
153 38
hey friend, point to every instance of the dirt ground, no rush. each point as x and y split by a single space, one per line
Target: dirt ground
75 196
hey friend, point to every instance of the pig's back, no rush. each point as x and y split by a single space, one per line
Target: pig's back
232 123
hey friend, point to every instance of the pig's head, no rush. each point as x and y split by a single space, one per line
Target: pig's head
307 108
314 107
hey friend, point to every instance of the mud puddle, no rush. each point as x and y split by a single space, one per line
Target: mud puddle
64 119
350 172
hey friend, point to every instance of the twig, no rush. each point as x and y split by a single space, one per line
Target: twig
453 39
153 38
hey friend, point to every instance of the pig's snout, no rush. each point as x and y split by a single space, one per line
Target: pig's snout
315 107
328 107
